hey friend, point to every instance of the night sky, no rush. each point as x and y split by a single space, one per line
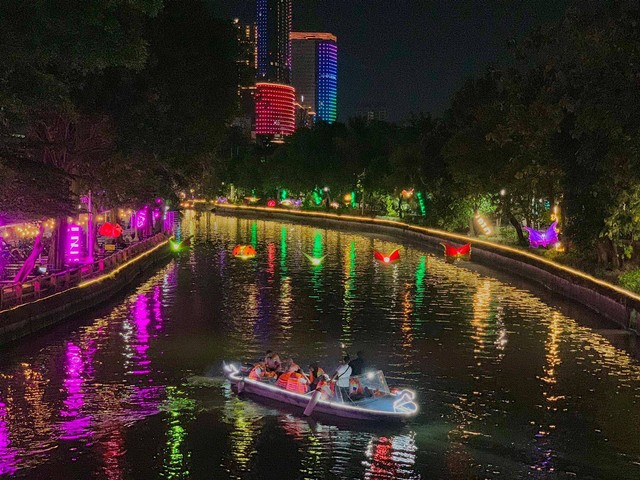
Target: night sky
410 55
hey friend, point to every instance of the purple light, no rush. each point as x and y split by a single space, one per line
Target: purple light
76 426
74 243
538 238
222 200
141 217
156 213
7 454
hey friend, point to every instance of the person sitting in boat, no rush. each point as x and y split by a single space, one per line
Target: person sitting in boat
325 386
356 392
357 364
293 380
342 375
272 361
315 371
260 372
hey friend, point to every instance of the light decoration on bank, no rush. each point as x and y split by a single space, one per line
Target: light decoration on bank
252 199
141 217
539 238
421 204
392 257
244 252
453 253
407 193
74 243
315 261
483 224
112 230
271 203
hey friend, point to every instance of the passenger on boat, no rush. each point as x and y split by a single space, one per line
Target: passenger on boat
272 361
325 386
260 372
293 380
357 364
315 371
342 375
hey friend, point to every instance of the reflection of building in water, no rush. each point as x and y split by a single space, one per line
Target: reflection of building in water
392 458
8 454
180 410
348 297
544 452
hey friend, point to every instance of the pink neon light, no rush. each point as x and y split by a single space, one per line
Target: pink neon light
74 243
275 109
141 217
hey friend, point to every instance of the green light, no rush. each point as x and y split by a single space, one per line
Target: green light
317 197
175 246
353 200
283 194
283 248
254 234
423 208
315 261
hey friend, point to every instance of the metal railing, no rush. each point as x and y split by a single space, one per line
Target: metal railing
18 293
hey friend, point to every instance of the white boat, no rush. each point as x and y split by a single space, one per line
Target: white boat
384 405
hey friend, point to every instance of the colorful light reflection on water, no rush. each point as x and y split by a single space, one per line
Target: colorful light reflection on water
509 386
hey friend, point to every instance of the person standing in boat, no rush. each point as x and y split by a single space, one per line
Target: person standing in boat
357 364
342 376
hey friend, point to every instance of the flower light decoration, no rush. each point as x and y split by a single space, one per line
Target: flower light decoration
539 238
315 261
391 258
244 252
112 230
252 199
271 203
453 253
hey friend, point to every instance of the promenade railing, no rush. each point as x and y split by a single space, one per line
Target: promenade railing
15 294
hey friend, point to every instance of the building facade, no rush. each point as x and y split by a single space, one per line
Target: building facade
274 96
274 45
314 74
275 109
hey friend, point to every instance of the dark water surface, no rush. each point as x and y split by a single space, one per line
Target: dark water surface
509 386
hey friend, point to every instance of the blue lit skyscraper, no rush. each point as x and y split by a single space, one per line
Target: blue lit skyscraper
274 45
315 73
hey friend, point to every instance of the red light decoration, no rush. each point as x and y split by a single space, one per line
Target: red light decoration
275 109
271 203
244 251
393 257
112 230
452 253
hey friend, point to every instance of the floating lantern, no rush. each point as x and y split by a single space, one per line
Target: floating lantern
539 238
393 257
452 253
244 252
112 230
315 261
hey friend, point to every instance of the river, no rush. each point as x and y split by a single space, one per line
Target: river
510 384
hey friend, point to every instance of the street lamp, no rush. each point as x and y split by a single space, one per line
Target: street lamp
503 192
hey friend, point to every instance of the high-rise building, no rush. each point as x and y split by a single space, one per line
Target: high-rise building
274 97
314 73
246 64
275 109
274 45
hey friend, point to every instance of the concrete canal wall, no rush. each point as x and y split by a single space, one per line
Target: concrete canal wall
33 316
608 300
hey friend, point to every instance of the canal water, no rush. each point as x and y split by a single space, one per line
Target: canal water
510 386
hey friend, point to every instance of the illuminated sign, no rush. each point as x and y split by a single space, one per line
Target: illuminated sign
74 243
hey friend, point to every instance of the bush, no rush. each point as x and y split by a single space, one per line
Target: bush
631 280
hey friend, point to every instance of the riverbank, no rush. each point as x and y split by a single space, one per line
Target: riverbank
611 301
51 300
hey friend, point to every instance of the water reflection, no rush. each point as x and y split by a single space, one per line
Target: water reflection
509 386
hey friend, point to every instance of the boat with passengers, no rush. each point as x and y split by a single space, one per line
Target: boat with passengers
375 402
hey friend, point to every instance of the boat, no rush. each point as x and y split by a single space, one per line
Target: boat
382 404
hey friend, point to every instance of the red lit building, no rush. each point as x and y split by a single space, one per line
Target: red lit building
275 109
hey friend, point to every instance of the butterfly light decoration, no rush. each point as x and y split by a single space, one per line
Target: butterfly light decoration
315 261
538 238
244 252
452 253
393 257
